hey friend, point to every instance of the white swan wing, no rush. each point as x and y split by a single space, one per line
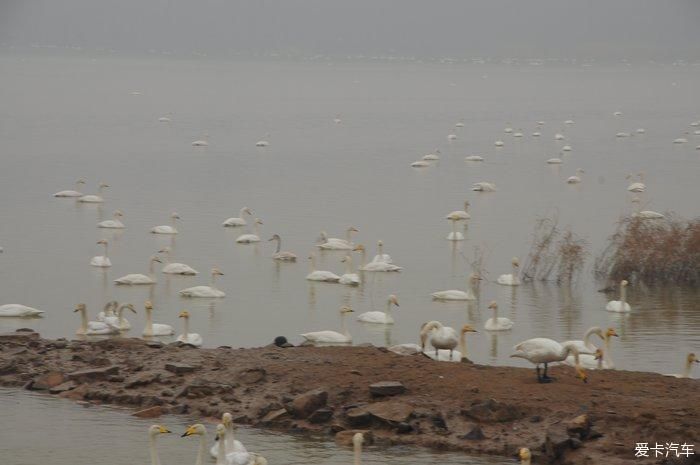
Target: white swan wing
618 306
319 275
406 349
202 291
233 222
164 229
18 310
452 294
160 330
247 238
374 317
179 268
350 279
325 336
192 338
136 278
101 261
538 350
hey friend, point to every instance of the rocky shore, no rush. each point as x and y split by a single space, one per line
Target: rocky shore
396 399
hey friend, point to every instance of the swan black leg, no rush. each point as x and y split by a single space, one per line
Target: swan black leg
543 378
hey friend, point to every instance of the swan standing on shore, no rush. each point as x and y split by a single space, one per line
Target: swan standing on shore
250 238
155 329
320 275
497 323
620 306
19 311
138 278
187 337
511 279
113 223
93 328
460 215
543 350
603 360
167 228
118 320
205 291
441 337
102 261
689 360
383 318
231 444
472 282
373 266
94 198
240 221
175 268
153 433
350 278
70 193
332 337
279 255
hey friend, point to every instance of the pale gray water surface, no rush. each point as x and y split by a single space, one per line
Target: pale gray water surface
57 431
68 116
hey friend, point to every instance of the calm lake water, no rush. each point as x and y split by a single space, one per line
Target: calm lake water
69 116
39 435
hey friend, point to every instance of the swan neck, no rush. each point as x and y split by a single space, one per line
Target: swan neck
202 449
221 451
155 460
495 314
463 344
151 270
348 265
106 250
83 320
592 331
342 325
187 328
256 228
213 279
623 295
525 462
686 370
279 245
313 263
569 349
149 321
357 449
241 212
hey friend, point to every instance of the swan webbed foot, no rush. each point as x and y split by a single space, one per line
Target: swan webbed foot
544 380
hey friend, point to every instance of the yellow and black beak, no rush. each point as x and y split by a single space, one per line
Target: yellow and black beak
188 432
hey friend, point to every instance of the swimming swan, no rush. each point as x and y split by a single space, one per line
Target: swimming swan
250 238
118 320
153 433
460 215
155 329
167 229
319 275
332 337
472 282
94 198
113 223
279 255
497 323
19 311
334 243
187 337
93 328
240 221
231 444
70 193
138 278
205 291
175 268
383 318
350 278
511 279
374 266
102 261
689 360
620 306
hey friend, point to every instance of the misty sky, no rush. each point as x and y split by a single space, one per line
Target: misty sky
603 29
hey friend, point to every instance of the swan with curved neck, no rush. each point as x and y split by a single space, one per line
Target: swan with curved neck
114 223
279 254
576 179
320 275
93 328
118 320
201 431
373 266
497 323
205 291
187 337
511 279
585 345
167 228
384 317
240 221
542 350
332 337
94 198
620 306
174 267
460 215
72 193
138 278
155 329
689 361
102 261
250 238
350 278
470 294
153 433
441 337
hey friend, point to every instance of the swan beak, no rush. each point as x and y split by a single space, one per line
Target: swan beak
132 309
164 430
188 432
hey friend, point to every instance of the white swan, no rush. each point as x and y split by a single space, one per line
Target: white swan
452 137
460 124
518 134
118 320
460 215
559 136
496 323
174 267
473 158
649 215
374 266
383 318
262 143
536 134
203 142
566 148
109 310
187 337
93 328
167 228
617 113
240 221
444 351
279 255
484 187
205 291
334 243
357 440
71 193
680 140
622 134
350 278
554 161
230 458
319 275
602 359
508 129
113 223
455 235
576 178
543 350
165 119
332 337
637 186
640 131
511 279
569 121
155 329
138 278
472 282
18 310
420 164
250 238
94 198
381 256
441 337
689 360
198 430
432 156
231 444
498 143
153 433
620 306
102 260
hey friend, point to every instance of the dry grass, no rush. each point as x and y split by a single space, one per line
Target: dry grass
655 251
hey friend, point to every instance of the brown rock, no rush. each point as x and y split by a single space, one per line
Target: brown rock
63 387
93 374
579 426
321 415
8 367
492 411
142 379
390 412
179 368
47 381
474 434
305 404
386 388
556 443
274 415
358 416
251 376
151 412
75 394
344 438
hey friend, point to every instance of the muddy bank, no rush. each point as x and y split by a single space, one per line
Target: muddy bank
400 399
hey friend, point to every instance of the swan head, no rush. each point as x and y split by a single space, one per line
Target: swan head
624 283
193 430
128 306
258 221
353 229
102 242
468 329
103 185
493 305
220 431
148 305
158 429
184 314
216 272
275 237
165 250
524 454
393 300
227 419
154 258
174 216
80 181
248 210
692 358
345 309
359 248
118 213
79 308
515 262
358 439
611 333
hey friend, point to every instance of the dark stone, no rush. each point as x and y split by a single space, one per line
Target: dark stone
8 367
321 415
492 411
475 434
93 374
404 428
154 344
535 419
386 388
358 417
556 443
179 368
389 412
305 404
60 344
576 443
579 426
142 379
438 421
